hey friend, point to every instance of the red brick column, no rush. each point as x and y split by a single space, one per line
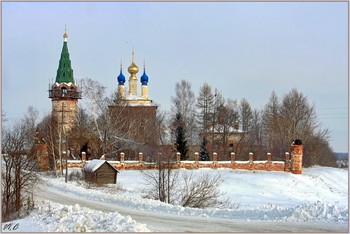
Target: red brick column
287 162
269 157
251 157
140 157
83 156
215 160
233 157
251 160
122 157
196 159
297 158
233 160
178 157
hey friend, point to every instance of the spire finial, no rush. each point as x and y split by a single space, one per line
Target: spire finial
121 64
133 61
144 64
65 36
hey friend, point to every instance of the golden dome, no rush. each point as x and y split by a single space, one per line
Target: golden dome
133 69
65 35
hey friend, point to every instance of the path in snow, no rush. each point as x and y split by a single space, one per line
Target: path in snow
177 223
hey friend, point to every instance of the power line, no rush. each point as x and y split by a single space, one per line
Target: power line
328 108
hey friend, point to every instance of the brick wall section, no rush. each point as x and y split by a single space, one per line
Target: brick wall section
291 164
192 165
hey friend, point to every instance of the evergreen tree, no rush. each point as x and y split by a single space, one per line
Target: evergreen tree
204 154
181 142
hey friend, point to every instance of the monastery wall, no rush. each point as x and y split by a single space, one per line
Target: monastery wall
262 165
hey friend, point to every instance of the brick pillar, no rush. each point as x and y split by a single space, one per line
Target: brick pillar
287 162
233 160
251 157
122 157
269 157
297 157
215 157
233 157
215 160
83 156
42 157
196 157
178 157
269 161
140 157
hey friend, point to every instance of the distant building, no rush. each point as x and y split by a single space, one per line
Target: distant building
223 139
134 114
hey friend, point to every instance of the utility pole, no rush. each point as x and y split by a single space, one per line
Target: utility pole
213 131
67 153
60 144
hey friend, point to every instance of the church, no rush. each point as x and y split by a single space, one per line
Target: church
132 116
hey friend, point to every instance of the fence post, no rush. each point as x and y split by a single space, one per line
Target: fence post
287 162
215 160
297 156
83 157
269 157
122 157
233 157
251 157
233 160
196 159
178 159
140 157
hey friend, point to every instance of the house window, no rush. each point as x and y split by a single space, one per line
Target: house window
230 145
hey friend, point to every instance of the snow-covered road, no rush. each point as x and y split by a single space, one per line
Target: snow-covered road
160 222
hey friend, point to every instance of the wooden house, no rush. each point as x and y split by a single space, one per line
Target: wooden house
100 172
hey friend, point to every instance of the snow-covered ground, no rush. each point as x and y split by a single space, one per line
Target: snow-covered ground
53 217
319 195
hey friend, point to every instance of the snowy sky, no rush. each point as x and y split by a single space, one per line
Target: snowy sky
245 49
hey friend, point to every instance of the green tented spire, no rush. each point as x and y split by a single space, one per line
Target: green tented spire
65 71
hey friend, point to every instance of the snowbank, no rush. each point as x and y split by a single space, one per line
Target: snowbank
320 194
53 217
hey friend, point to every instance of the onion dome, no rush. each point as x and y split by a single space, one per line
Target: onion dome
144 77
121 77
133 69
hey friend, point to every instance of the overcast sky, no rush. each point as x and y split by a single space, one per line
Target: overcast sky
246 50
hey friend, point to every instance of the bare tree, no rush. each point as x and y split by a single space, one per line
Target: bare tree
184 103
18 166
47 132
163 181
201 192
294 118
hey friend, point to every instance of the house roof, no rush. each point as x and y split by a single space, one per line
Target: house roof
95 164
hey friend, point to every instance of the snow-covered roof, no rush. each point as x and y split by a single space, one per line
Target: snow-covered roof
94 165
68 84
219 128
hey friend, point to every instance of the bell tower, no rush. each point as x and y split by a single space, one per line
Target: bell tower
64 94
